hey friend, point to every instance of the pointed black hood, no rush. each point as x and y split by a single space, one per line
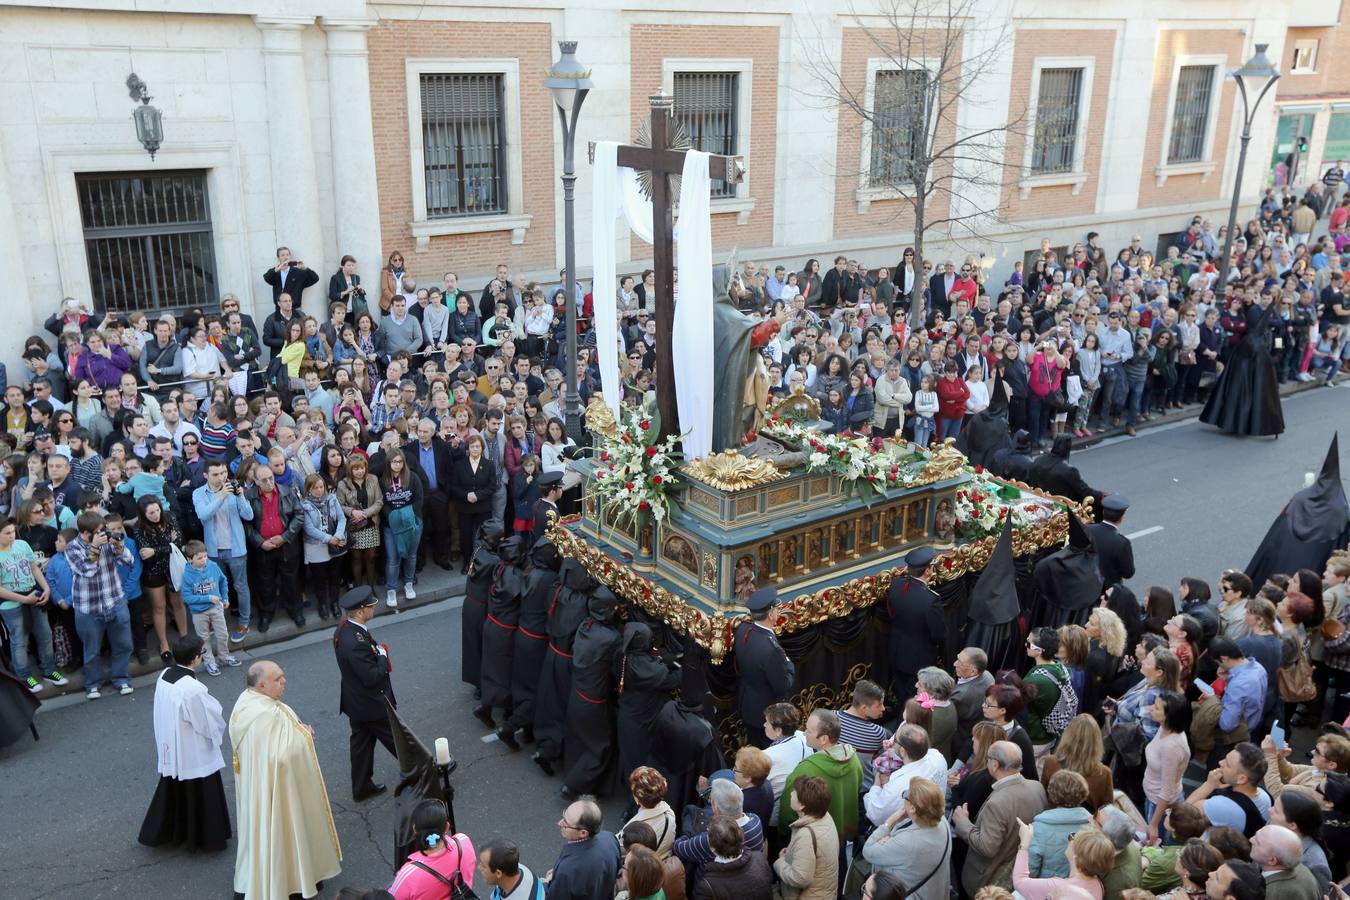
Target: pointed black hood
993 600
1078 535
998 397
1319 512
544 555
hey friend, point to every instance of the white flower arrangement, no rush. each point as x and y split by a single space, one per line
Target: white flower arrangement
633 471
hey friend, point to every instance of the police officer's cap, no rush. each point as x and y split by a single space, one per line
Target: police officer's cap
920 557
1115 503
357 597
762 599
548 479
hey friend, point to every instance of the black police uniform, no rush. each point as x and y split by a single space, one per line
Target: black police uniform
918 627
764 674
365 687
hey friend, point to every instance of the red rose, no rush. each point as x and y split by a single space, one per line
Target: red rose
946 562
656 479
651 451
979 470
628 486
604 456
644 425
626 439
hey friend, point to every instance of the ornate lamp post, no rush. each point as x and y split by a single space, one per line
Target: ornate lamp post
1256 68
148 119
570 82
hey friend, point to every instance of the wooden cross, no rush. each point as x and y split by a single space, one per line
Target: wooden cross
663 161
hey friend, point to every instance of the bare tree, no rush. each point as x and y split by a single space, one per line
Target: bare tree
918 152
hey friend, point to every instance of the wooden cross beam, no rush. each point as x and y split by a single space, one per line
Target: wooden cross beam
664 161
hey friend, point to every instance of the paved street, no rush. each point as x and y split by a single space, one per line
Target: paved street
93 773
1200 502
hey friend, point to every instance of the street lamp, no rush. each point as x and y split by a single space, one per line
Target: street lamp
570 82
148 119
1256 68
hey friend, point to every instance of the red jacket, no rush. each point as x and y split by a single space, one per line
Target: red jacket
952 396
1044 376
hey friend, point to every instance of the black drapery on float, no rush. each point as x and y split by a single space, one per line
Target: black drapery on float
995 609
1068 582
1246 399
1313 523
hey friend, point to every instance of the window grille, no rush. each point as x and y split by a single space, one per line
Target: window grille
706 105
463 145
1056 129
899 126
1190 114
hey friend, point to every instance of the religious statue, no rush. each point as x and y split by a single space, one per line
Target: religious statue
745 579
740 377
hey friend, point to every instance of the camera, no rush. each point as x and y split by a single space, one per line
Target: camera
293 263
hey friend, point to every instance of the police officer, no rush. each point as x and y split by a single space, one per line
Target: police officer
918 627
764 674
365 668
550 492
1115 554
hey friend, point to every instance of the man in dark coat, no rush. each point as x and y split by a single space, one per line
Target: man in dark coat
546 507
918 627
499 631
364 665
530 644
566 613
1115 555
764 674
429 456
289 276
482 567
588 744
589 862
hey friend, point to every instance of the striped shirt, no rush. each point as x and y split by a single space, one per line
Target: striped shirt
865 737
216 439
694 850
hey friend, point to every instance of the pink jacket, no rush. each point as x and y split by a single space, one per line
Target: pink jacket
1051 888
1045 375
413 883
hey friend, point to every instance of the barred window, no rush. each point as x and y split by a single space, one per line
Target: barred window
706 105
463 145
1056 128
1190 114
899 120
148 240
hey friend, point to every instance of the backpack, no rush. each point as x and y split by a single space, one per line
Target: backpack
1065 708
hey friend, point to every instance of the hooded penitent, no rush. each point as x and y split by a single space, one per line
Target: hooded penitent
1068 580
567 610
1314 522
418 780
994 605
481 570
588 744
531 636
987 431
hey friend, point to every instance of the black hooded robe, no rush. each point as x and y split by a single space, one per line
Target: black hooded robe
645 681
1246 398
986 434
565 615
499 630
683 747
531 640
476 589
588 746
995 607
1068 581
18 707
1314 522
1014 461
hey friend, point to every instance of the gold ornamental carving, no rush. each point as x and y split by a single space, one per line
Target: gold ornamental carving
709 571
600 418
797 405
944 463
729 471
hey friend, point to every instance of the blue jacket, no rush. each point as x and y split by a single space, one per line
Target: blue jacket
200 585
206 504
1244 698
60 578
1049 839
314 533
131 572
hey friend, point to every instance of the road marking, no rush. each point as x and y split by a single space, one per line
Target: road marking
1144 533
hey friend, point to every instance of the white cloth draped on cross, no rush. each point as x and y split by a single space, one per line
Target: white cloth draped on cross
615 192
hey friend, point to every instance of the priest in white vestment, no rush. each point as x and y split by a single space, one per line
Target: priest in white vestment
188 809
288 843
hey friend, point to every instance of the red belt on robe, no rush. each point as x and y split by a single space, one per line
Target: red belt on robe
493 619
589 699
557 651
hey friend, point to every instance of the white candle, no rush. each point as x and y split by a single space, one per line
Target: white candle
442 751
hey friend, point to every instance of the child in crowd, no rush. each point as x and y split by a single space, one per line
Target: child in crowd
525 492
206 592
147 481
925 408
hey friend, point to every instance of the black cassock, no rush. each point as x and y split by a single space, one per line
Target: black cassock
645 681
1068 581
588 747
565 615
1314 522
18 706
764 675
1246 398
499 630
531 641
476 589
684 746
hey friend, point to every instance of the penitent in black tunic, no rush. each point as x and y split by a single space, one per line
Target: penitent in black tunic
531 638
588 746
645 681
481 570
566 613
499 633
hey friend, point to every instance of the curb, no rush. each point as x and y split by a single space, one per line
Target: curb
440 587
